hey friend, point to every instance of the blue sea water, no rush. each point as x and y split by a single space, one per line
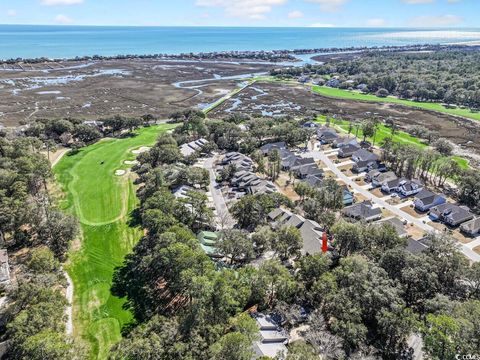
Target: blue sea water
29 41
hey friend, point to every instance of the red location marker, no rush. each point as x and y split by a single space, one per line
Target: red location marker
324 243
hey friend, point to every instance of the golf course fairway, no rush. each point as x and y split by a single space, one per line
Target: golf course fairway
102 201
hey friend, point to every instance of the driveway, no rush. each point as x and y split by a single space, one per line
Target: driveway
223 216
318 155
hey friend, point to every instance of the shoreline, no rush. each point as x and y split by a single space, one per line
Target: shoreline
277 56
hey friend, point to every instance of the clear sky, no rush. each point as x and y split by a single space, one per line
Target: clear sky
341 13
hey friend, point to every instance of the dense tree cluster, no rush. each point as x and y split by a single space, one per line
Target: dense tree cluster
365 301
29 222
451 77
76 133
27 215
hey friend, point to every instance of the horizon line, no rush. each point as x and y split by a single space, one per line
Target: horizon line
252 27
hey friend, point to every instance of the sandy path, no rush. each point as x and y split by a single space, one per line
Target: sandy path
69 309
56 156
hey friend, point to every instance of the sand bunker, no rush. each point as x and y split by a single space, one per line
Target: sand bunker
129 162
120 172
141 150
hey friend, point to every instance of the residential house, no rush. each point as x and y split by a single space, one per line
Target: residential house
261 187
272 339
4 268
450 214
208 241
348 197
299 162
181 192
472 227
265 149
313 181
363 211
397 224
326 135
310 230
425 200
309 169
379 179
334 83
415 247
392 185
193 146
369 176
310 125
343 141
364 160
241 162
348 150
410 187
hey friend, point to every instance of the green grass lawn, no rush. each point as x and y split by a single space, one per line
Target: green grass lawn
355 95
384 132
102 202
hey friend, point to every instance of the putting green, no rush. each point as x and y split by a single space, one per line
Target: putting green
102 202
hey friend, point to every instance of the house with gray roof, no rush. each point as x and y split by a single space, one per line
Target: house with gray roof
193 146
450 214
363 211
415 247
265 149
308 169
425 200
181 192
261 187
240 161
310 230
299 162
326 135
369 176
364 161
397 224
380 178
348 150
392 185
472 227
272 339
313 181
341 142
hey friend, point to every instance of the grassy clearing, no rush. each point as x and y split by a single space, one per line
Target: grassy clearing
384 132
102 202
355 95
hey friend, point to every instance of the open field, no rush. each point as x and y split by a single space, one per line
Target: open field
102 202
356 95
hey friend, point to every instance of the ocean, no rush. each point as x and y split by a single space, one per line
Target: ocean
31 41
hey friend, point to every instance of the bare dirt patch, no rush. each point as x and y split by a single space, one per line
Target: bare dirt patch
462 238
415 232
477 249
360 198
411 211
377 192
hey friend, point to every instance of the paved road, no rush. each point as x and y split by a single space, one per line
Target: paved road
319 155
223 215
